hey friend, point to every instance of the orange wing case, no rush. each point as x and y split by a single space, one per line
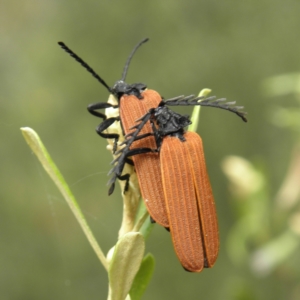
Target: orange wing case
147 165
190 204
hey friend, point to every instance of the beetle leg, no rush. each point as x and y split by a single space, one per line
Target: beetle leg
105 125
113 180
92 108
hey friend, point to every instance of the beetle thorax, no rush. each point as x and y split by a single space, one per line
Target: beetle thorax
169 121
121 88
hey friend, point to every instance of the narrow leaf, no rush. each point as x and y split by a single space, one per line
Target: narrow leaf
143 277
36 145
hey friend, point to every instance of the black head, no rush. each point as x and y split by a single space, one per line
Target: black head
170 122
120 87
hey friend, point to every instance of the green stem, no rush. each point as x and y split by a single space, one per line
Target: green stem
141 221
196 111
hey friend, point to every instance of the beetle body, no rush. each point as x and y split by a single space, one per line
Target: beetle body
188 196
127 103
169 163
147 166
189 201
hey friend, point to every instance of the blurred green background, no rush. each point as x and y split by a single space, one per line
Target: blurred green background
232 47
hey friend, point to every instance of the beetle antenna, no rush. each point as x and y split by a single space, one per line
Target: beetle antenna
130 57
84 64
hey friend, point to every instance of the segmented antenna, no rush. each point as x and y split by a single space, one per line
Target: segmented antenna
130 57
84 64
208 101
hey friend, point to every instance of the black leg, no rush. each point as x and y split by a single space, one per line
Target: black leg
118 168
129 161
113 180
92 108
103 126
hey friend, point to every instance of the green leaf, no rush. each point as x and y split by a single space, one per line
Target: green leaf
124 265
143 277
36 145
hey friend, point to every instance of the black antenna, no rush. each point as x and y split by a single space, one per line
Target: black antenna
130 57
85 65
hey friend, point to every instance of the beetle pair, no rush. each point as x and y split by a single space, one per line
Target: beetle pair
169 163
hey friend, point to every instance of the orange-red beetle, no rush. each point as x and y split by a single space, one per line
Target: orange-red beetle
147 166
187 191
133 101
190 202
192 220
